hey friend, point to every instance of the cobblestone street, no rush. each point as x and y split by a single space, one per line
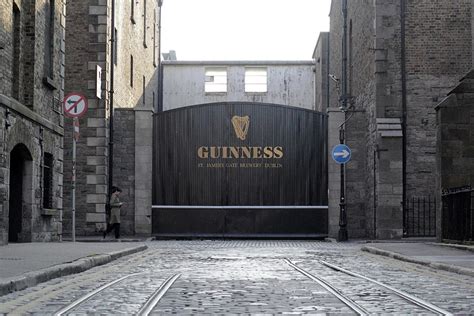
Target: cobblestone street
247 277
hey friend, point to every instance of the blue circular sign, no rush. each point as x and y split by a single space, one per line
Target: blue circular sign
341 154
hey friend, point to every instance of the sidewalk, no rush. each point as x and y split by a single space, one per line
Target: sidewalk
27 264
449 257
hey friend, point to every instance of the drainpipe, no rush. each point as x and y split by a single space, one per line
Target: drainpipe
404 105
160 66
111 105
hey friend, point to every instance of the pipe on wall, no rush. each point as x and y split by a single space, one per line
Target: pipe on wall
404 101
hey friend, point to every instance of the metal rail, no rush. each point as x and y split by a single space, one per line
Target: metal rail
81 300
350 303
415 300
238 207
155 298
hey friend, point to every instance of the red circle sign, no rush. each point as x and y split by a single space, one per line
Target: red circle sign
75 105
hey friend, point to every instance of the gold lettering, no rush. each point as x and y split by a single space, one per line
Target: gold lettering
246 152
215 152
203 152
268 152
225 152
257 152
234 152
278 152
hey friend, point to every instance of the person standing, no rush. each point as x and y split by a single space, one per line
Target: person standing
115 205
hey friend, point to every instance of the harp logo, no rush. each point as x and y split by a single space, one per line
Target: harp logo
241 126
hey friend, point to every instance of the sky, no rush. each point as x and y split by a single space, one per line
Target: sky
243 29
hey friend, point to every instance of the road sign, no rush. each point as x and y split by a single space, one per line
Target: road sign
341 154
75 105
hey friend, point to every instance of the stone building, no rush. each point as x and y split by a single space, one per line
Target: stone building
31 143
403 57
197 82
135 39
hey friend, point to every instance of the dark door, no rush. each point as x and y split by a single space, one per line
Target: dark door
17 164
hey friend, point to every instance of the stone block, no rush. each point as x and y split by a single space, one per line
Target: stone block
96 179
96 198
96 141
96 160
95 217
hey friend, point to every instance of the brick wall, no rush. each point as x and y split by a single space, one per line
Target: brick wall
88 45
30 116
439 54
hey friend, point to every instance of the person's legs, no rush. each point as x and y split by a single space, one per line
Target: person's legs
117 230
108 230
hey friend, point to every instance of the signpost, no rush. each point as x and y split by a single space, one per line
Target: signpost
75 106
341 154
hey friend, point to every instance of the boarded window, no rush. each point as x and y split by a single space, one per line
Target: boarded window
255 79
48 181
216 79
49 39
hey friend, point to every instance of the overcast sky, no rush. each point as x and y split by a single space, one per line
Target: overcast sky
243 29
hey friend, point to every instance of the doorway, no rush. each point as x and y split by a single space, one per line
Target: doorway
19 228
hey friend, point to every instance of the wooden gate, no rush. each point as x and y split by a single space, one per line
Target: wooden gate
240 169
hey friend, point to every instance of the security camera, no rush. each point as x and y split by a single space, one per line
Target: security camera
334 78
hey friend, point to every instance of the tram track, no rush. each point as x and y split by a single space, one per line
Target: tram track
426 306
146 308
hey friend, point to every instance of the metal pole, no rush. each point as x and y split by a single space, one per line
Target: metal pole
111 114
342 236
74 181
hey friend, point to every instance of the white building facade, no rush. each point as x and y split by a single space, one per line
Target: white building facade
187 83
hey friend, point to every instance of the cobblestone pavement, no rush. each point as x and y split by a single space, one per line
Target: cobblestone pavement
246 277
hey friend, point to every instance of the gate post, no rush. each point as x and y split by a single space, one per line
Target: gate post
335 119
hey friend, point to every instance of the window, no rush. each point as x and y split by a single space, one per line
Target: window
132 11
215 79
144 23
48 181
16 52
131 71
255 79
49 39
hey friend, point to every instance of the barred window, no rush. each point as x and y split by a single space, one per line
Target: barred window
48 181
255 79
215 79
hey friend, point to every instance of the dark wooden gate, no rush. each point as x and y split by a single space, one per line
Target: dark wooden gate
240 169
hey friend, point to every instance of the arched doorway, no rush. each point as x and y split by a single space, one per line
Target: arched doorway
19 228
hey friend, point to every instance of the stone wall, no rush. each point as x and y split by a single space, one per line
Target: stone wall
360 86
321 69
438 53
30 116
124 167
438 40
455 142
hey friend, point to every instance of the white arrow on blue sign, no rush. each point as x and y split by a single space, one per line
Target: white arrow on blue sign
341 154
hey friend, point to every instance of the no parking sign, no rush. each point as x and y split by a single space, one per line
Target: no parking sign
75 105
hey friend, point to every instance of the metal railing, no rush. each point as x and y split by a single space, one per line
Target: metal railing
419 217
